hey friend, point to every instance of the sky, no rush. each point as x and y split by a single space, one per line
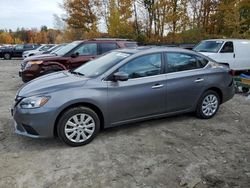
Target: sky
28 13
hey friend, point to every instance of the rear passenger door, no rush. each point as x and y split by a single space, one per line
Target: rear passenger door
185 80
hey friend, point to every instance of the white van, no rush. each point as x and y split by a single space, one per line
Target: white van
235 52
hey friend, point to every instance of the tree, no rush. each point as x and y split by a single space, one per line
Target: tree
81 16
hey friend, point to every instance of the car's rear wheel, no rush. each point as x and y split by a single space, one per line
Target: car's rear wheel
7 56
208 105
78 126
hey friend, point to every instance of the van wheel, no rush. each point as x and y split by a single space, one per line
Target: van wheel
208 105
7 56
78 126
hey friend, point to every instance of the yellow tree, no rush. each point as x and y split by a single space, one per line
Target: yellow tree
81 16
119 20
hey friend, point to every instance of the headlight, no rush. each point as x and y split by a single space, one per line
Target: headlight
30 63
34 102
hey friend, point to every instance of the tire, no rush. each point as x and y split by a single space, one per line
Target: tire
245 89
208 105
7 56
78 132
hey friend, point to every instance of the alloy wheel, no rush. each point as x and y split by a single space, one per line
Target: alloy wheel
79 127
210 105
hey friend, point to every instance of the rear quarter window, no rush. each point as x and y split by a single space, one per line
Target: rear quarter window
176 62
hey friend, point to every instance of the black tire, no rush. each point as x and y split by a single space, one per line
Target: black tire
67 116
199 110
245 89
7 56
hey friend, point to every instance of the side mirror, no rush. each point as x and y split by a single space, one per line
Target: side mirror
120 76
74 55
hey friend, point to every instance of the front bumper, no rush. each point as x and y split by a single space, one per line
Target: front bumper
35 123
26 77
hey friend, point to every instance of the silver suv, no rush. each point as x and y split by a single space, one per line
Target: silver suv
121 87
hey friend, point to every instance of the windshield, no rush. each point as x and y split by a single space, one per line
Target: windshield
67 48
208 46
100 65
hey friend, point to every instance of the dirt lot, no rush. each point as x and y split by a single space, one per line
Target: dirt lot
180 151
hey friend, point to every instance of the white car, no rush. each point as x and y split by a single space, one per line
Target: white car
234 52
37 51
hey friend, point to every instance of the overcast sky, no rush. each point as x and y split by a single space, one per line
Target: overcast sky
28 13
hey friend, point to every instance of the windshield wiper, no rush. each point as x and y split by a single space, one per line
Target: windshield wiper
77 73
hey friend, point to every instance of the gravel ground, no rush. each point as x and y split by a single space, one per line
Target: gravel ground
180 151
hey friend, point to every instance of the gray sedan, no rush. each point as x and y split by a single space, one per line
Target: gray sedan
121 87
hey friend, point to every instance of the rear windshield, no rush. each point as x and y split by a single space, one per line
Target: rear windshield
208 46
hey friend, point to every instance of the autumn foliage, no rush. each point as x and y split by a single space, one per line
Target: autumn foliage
147 21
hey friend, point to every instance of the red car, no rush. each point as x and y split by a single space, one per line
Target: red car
69 57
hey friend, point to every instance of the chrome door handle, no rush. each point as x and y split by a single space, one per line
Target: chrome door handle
199 80
156 86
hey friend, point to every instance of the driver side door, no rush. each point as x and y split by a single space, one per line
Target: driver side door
142 95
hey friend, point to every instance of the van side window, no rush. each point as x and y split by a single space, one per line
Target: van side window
227 48
177 62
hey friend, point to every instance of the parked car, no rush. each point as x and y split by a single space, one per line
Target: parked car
234 52
123 86
37 51
69 57
16 51
54 49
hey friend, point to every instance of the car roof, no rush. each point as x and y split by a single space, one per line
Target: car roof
152 49
229 39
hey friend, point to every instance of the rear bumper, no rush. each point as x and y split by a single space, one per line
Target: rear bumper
228 92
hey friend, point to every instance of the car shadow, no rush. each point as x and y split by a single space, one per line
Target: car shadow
16 143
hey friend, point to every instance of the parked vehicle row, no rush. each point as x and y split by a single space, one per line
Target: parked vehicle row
120 87
37 51
69 57
16 51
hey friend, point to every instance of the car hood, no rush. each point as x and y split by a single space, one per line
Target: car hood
44 57
30 51
51 83
208 54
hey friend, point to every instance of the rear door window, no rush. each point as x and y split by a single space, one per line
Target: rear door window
105 47
176 62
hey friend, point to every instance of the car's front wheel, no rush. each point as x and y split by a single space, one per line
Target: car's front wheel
78 126
208 105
